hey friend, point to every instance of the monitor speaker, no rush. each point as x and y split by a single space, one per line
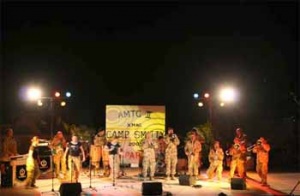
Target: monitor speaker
238 184
152 188
73 189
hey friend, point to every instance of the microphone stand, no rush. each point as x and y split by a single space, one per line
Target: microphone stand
90 168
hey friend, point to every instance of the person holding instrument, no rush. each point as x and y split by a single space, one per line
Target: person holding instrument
192 150
58 144
172 142
238 153
262 149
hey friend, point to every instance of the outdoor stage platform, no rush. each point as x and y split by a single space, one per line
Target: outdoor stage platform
131 185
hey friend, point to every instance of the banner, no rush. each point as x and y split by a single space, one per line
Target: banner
130 124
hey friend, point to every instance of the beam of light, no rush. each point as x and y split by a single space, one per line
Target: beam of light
34 93
228 95
196 95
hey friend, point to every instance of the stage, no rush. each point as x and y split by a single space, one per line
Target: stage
131 184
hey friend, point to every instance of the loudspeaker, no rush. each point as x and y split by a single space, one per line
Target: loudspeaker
73 189
152 188
238 184
187 180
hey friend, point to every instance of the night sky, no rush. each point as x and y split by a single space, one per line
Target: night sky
156 54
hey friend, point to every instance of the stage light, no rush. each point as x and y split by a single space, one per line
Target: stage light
34 93
63 103
228 95
200 104
206 95
39 103
57 94
196 95
222 104
68 94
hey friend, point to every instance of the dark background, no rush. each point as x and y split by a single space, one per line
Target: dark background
158 53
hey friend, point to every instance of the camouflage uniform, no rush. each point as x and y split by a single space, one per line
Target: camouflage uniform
262 154
238 153
192 150
216 163
171 154
59 160
32 166
99 143
149 147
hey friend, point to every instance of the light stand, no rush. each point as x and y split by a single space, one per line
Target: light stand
51 129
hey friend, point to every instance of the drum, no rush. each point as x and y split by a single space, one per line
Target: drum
95 153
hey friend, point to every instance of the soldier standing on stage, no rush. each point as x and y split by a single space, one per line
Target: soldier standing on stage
192 150
262 149
172 142
32 164
74 148
238 157
9 145
114 150
149 146
58 144
216 156
241 137
99 144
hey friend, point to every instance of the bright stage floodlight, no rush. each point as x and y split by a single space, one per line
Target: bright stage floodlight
228 95
57 94
39 103
63 103
34 94
200 104
206 95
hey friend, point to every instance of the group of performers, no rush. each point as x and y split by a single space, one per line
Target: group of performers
162 149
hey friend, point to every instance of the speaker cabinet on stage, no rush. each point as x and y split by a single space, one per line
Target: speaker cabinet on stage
67 189
152 188
238 184
187 180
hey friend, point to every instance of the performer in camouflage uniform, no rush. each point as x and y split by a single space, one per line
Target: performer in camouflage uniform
262 149
216 156
192 150
32 164
149 146
58 144
238 153
172 142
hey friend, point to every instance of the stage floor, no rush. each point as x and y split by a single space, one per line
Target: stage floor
131 185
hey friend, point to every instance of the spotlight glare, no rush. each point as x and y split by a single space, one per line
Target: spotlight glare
68 94
200 104
34 93
196 95
63 103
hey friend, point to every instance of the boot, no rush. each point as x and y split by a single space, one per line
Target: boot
173 177
168 177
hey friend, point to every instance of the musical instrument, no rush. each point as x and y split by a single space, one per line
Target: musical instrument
18 164
250 148
95 153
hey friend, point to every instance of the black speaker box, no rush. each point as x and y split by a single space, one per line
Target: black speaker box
67 189
152 188
6 175
238 184
187 180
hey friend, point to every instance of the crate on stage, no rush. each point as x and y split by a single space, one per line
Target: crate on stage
187 180
18 164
